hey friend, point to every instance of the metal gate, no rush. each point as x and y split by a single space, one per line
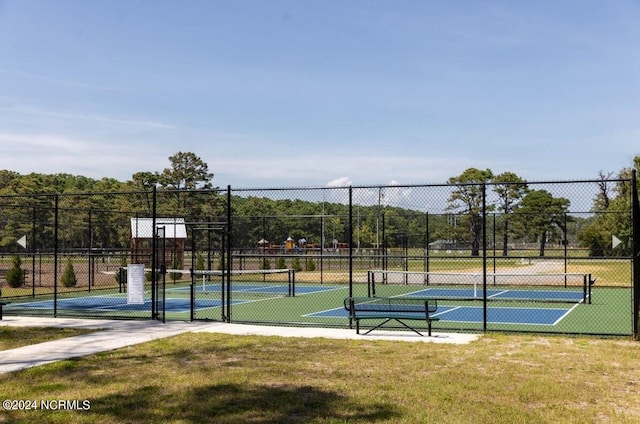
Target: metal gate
210 295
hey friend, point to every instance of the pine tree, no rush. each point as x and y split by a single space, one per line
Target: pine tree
15 275
69 278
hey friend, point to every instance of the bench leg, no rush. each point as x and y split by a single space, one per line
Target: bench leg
395 319
379 325
411 328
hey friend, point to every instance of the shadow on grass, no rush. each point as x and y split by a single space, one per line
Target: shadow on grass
231 403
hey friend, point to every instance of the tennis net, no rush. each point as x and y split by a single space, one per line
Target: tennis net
547 287
271 282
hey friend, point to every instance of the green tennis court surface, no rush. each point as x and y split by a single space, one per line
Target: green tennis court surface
610 310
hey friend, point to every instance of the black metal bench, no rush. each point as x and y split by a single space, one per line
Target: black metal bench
399 309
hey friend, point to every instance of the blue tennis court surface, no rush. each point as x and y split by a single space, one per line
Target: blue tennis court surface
506 294
475 314
106 303
178 305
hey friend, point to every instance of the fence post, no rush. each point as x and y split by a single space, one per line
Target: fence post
350 241
154 255
635 252
55 257
229 264
33 252
484 256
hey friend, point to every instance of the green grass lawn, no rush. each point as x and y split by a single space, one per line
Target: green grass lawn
202 378
13 337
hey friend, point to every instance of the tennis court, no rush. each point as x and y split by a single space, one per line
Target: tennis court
511 299
548 287
179 299
277 297
452 312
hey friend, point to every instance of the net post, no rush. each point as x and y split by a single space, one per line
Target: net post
371 276
476 277
292 282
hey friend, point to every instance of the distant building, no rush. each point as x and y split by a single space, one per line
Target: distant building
175 235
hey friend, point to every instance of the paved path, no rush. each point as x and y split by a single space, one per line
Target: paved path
117 334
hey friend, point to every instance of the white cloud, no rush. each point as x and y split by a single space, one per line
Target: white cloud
340 182
39 143
101 119
53 154
395 195
317 169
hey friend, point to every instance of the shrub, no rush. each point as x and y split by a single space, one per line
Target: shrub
295 264
69 278
310 265
15 275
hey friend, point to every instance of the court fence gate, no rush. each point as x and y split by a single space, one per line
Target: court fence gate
548 257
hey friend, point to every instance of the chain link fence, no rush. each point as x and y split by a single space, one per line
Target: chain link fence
550 257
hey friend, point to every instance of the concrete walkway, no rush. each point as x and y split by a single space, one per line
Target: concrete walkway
115 334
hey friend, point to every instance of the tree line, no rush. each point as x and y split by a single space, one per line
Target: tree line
186 189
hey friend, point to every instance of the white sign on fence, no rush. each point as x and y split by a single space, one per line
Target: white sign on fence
615 241
22 241
135 284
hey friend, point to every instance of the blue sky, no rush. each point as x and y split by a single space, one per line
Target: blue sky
310 93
